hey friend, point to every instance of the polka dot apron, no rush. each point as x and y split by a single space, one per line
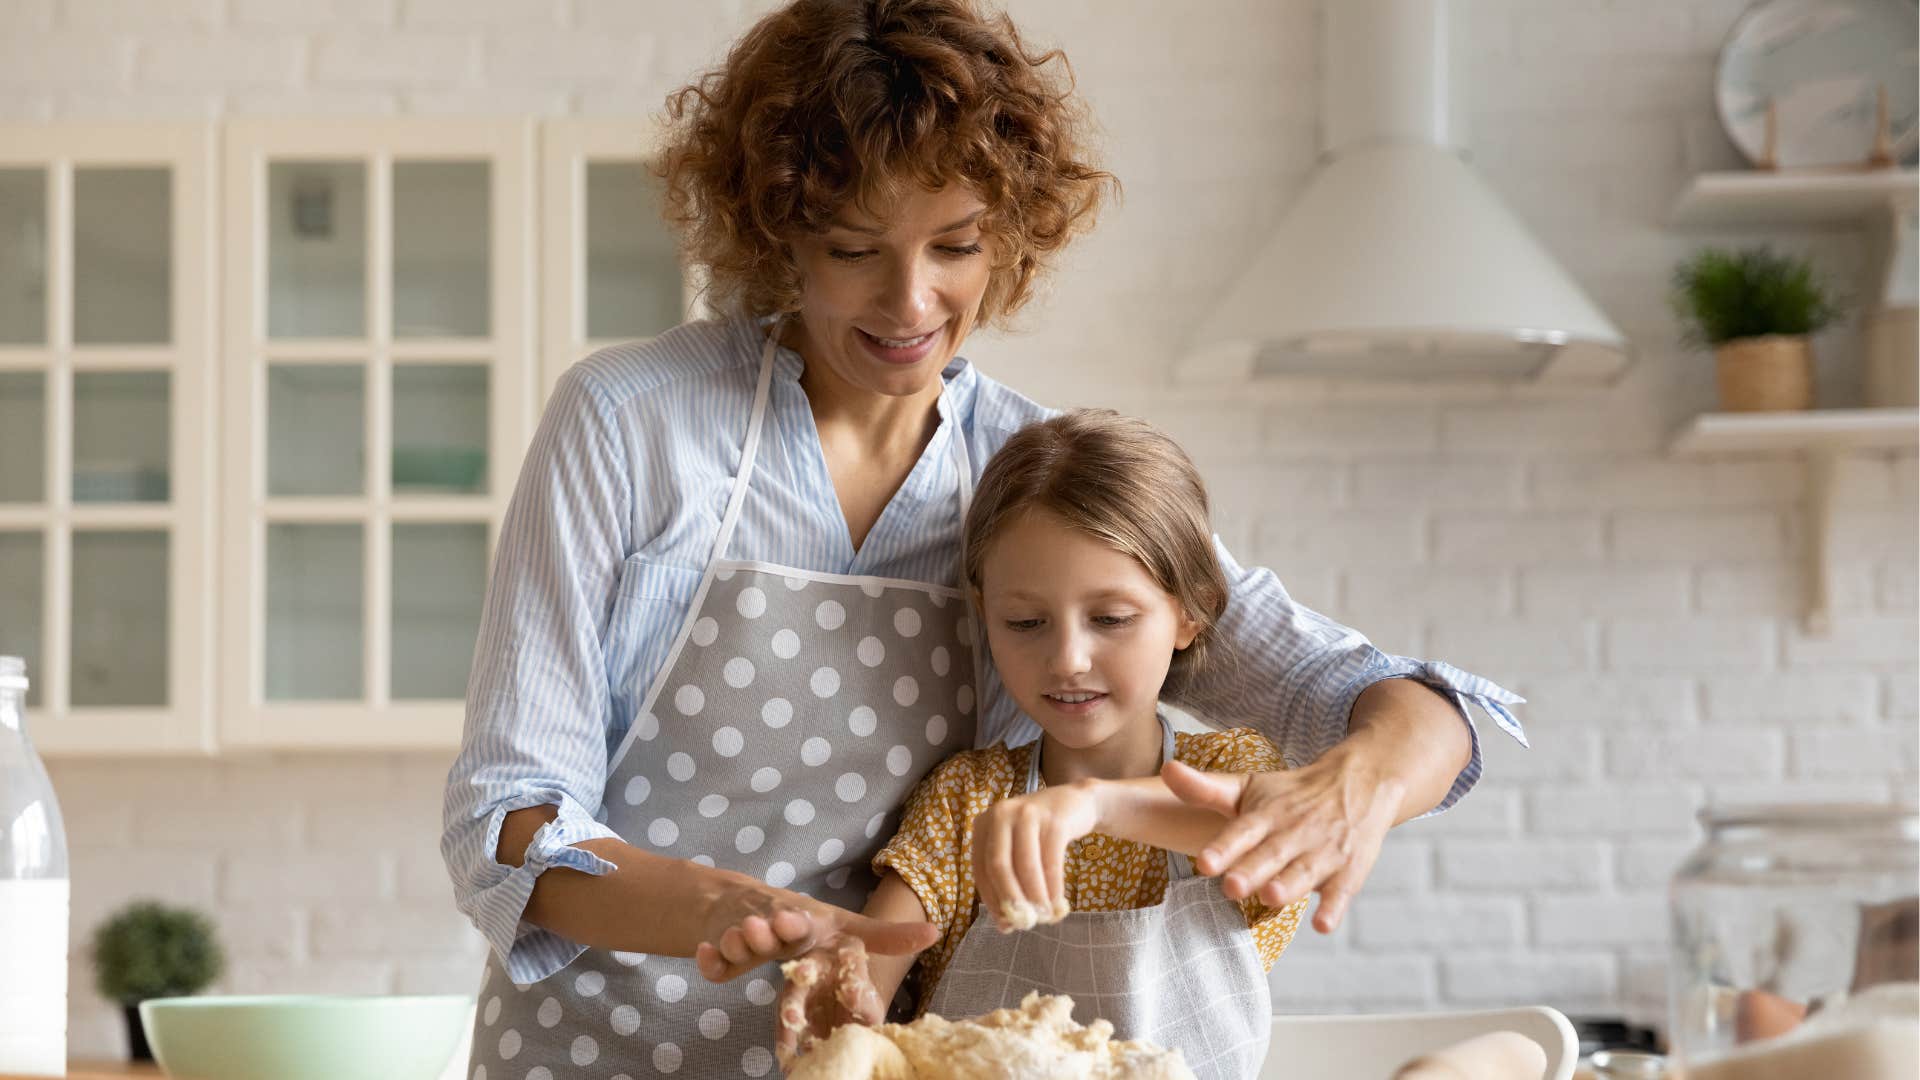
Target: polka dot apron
1184 973
793 715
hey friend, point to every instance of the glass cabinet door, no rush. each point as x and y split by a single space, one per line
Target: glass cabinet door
379 368
106 429
612 268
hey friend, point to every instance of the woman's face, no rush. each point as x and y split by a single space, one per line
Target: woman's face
885 304
1081 634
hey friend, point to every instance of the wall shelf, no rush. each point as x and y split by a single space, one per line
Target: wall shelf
1727 199
1822 437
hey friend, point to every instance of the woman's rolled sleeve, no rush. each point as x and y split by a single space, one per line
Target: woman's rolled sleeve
539 704
1294 675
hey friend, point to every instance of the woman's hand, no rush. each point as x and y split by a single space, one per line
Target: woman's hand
754 924
1020 852
1315 828
826 987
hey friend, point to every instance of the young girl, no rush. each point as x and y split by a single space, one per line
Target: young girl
1092 565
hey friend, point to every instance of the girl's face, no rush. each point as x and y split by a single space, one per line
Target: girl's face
1081 634
884 305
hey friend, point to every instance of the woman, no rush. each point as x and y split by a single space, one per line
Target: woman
723 637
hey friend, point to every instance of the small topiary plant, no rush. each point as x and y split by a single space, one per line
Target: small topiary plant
149 950
1721 295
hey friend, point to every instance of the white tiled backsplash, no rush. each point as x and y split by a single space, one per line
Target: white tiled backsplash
1646 606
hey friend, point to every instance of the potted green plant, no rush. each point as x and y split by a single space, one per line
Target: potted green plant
1755 309
148 950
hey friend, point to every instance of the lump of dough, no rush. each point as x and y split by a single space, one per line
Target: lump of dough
1037 1041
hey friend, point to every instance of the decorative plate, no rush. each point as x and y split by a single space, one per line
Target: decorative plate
1821 63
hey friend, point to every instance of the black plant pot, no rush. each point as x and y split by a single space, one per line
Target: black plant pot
137 1048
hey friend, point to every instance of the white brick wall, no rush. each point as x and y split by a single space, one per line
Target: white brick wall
1647 606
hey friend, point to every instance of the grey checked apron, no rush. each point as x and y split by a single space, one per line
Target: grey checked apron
1184 973
793 715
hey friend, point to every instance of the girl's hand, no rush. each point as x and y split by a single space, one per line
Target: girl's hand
1020 852
754 924
1315 828
826 987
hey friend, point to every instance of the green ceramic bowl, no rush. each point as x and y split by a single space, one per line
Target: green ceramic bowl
301 1037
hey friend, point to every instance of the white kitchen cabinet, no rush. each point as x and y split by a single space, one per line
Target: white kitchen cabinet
107 432
612 270
379 383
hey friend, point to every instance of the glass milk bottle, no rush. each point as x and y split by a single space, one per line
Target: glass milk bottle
33 897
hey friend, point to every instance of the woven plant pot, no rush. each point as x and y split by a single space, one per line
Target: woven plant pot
1773 373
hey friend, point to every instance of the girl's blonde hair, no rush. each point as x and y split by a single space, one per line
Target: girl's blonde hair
1123 482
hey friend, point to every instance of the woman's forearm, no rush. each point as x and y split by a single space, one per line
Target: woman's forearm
1412 737
1144 811
650 904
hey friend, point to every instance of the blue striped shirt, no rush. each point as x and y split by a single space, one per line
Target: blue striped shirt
613 520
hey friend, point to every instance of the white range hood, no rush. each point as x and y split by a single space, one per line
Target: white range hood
1397 262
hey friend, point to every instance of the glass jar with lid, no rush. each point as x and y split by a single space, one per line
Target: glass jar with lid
1796 944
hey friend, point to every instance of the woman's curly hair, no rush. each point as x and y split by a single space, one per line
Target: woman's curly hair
827 103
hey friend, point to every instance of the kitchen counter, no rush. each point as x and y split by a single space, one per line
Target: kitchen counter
103 1070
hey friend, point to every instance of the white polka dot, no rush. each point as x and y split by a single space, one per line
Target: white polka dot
748 839
629 959
751 602
874 823
906 622
777 712
942 661
838 879
479 1072
712 806
862 720
625 1020
689 700
831 850
780 875
906 690
714 1023
589 984
670 988
728 742
702 860
705 631
493 1011
663 832
873 589
936 730
850 787
964 699
870 651
680 766
539 1072
799 812
738 672
585 1050
509 1045
549 1012
794 584
647 726
825 682
765 779
899 760
637 789
786 644
666 1058
815 751
756 1061
760 992
725 574
829 615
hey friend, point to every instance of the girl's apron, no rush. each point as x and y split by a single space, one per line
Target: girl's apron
789 722
1184 973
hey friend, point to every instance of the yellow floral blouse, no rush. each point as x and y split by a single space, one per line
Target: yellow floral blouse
932 851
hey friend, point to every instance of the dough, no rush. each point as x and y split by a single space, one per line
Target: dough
1037 1041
